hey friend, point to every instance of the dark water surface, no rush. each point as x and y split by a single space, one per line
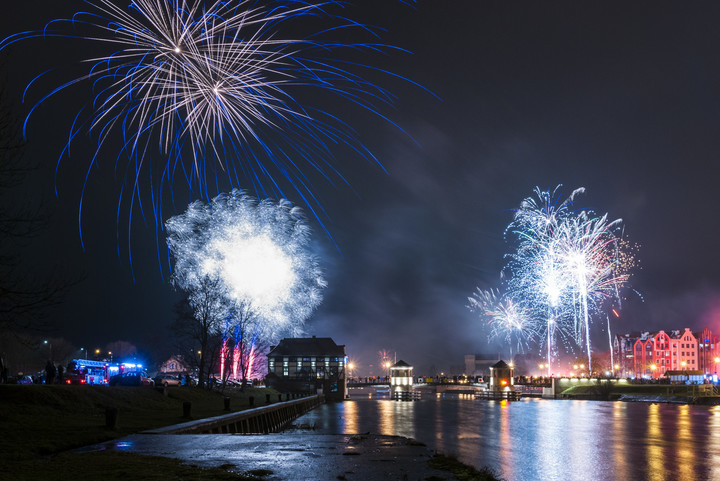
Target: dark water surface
545 439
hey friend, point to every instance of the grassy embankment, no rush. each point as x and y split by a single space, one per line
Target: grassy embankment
39 425
615 390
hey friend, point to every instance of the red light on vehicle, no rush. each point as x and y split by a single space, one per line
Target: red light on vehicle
82 381
67 381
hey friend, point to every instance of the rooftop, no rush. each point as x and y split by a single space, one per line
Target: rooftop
308 346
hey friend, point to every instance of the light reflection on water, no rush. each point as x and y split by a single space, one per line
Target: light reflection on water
544 439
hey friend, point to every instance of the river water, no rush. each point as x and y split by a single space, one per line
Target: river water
537 439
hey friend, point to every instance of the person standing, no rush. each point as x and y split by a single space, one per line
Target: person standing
49 372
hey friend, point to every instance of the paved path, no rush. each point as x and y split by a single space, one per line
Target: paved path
293 457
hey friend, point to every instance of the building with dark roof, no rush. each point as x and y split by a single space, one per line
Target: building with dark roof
308 363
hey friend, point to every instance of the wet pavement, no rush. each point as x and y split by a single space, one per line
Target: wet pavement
292 457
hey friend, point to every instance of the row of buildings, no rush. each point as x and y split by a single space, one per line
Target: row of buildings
650 355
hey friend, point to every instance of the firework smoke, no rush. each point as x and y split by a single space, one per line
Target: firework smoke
260 254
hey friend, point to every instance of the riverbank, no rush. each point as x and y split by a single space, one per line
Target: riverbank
42 427
676 393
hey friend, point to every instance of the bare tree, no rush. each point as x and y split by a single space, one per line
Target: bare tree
23 298
199 317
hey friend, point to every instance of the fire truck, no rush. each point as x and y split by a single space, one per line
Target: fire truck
84 371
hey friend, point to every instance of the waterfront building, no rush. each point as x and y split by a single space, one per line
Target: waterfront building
685 350
311 363
656 354
401 380
643 352
624 353
708 351
478 365
501 377
686 377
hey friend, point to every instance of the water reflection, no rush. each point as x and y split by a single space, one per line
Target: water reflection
713 445
506 444
685 448
620 443
351 417
546 440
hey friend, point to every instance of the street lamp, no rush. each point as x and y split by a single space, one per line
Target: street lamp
82 349
97 354
351 366
49 348
110 354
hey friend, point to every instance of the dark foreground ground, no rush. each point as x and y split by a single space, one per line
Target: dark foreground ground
59 433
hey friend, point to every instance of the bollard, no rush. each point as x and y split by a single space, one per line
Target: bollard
187 405
251 400
227 403
267 399
111 416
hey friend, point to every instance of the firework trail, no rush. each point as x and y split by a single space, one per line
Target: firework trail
260 254
588 248
508 319
212 90
567 265
536 275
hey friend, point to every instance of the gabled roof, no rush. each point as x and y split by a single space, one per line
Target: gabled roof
400 364
500 365
308 346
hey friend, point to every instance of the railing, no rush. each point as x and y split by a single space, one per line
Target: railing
499 395
262 420
406 396
701 390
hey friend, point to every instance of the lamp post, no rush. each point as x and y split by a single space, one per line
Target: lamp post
110 354
350 366
82 349
97 354
387 369
49 348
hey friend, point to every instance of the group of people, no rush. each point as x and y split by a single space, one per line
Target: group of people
54 375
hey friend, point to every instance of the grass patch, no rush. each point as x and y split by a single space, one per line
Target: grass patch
461 471
632 389
49 419
37 421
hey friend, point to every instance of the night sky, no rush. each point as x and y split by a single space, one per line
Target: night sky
622 98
